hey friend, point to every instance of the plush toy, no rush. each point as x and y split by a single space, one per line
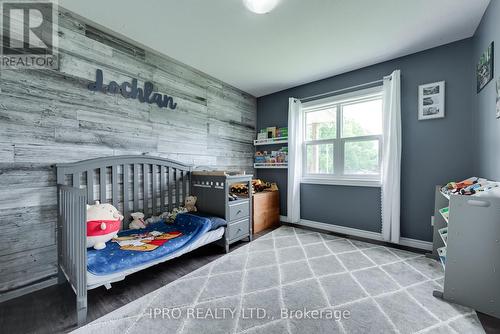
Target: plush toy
190 204
175 211
137 222
103 223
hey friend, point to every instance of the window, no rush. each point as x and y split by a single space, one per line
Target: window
343 139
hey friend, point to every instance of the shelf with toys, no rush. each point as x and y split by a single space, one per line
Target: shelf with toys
270 165
443 233
275 158
445 213
474 187
270 141
466 242
272 135
240 190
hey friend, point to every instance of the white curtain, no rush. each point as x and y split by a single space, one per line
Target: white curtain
294 159
391 162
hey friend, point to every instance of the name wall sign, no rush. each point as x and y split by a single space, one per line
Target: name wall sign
130 90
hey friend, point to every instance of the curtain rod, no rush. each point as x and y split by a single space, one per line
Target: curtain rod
342 90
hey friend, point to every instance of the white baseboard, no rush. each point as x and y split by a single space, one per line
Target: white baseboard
420 244
342 229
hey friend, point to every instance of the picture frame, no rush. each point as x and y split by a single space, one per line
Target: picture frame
431 101
485 69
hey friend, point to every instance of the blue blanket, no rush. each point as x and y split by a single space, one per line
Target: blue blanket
112 259
215 221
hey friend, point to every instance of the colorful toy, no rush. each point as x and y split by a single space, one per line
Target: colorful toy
103 223
282 133
239 188
469 187
271 132
170 217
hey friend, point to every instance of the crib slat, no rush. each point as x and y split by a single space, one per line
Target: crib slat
186 184
126 199
185 180
136 187
154 173
179 186
145 206
163 175
114 185
90 186
183 192
169 184
177 192
102 184
64 228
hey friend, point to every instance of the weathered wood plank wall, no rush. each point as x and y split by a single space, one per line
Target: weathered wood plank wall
48 117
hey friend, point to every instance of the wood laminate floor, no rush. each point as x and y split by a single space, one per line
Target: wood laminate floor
52 310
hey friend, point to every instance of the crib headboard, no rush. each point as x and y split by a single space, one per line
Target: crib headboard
131 183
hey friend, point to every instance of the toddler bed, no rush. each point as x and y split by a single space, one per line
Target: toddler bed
113 264
132 184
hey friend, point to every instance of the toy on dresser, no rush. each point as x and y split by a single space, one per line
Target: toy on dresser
103 223
470 186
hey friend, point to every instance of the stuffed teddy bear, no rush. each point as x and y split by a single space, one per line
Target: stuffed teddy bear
137 222
190 204
103 223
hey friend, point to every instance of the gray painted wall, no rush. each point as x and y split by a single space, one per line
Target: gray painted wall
48 117
488 127
433 151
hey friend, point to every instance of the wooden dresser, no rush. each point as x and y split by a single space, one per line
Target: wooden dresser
266 210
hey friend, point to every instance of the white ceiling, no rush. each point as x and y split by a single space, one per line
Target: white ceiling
298 42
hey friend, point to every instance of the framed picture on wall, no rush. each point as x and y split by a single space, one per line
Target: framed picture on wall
431 101
485 68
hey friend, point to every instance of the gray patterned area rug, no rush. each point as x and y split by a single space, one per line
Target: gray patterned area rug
299 281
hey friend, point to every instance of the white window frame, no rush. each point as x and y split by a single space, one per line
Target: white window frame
338 177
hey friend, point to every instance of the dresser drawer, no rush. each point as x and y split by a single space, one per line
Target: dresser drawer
239 211
238 229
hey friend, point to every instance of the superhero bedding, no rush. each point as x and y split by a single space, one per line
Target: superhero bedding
164 241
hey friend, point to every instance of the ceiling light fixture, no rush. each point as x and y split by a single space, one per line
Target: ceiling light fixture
260 6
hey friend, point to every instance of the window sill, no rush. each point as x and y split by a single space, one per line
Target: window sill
342 182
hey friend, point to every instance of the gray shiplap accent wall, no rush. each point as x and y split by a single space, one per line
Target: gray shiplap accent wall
49 117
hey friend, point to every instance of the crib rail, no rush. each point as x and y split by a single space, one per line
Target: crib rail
72 243
131 183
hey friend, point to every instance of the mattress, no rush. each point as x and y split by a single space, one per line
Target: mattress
114 261
94 281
